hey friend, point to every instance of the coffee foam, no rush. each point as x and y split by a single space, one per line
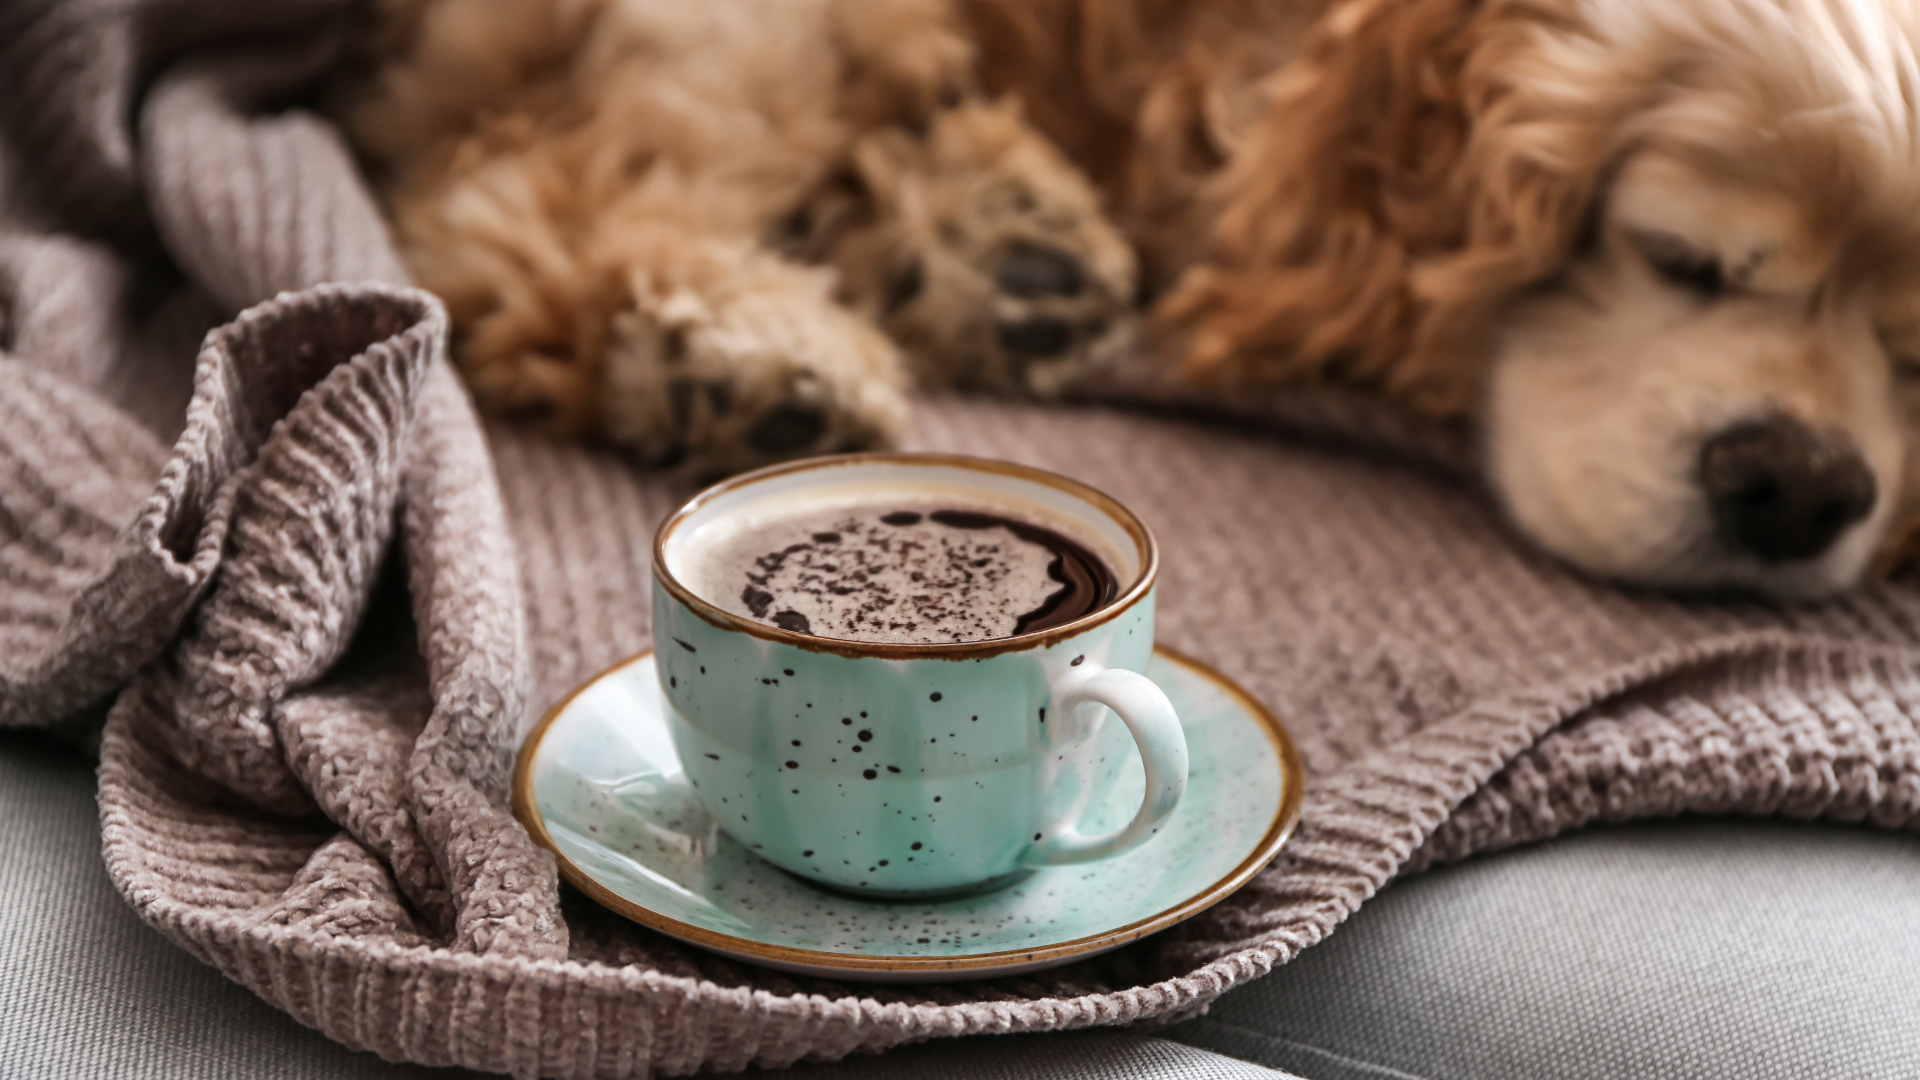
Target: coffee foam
914 583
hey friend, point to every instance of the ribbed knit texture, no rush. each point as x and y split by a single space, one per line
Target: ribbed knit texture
323 603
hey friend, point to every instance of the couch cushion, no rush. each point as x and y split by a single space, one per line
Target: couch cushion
1689 948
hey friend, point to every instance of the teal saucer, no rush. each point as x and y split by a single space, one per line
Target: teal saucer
599 785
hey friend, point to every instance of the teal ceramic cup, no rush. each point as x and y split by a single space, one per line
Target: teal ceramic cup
900 770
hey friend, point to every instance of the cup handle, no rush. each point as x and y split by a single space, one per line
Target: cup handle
1144 708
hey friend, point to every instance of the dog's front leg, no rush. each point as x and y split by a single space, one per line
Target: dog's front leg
725 356
980 250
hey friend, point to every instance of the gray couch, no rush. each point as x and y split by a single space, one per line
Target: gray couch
1795 954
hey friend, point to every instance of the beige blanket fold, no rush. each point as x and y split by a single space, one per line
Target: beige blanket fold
247 512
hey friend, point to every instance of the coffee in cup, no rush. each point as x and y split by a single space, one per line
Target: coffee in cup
899 675
902 568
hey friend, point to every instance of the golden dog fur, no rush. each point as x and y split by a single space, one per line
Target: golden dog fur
1455 202
684 225
1609 231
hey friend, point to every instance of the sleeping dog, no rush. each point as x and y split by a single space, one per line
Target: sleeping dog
1661 254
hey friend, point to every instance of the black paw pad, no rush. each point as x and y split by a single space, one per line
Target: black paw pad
786 429
1030 270
904 285
1036 337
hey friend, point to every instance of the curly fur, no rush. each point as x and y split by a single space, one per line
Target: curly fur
724 232
1433 198
1328 194
636 211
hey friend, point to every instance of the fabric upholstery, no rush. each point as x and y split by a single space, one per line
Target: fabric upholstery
1697 949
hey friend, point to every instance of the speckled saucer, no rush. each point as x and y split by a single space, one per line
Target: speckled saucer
599 785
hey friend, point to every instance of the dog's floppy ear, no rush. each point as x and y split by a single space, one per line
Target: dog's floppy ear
1415 166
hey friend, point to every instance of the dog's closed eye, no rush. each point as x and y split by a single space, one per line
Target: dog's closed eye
1905 363
1679 264
1901 345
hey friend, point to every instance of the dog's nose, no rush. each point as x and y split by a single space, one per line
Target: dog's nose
1781 492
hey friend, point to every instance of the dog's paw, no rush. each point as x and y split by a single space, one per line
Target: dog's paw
979 249
730 362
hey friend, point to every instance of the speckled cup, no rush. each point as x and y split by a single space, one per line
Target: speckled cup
908 770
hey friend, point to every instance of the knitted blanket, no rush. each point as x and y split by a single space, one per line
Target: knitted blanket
251 519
